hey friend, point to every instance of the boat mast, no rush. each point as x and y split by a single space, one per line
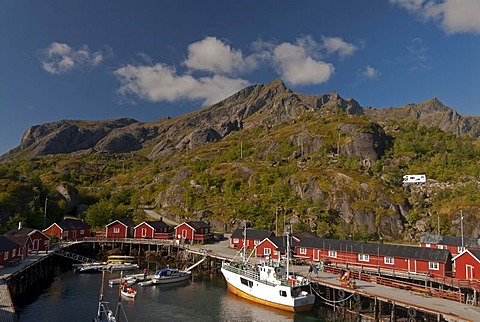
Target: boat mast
245 243
100 301
288 252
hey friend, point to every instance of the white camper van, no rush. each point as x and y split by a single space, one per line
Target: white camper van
414 178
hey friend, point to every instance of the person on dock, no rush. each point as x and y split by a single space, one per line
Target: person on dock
315 269
145 272
310 269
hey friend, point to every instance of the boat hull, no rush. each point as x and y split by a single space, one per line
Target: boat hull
167 280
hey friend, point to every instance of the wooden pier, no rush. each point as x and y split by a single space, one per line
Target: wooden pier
7 309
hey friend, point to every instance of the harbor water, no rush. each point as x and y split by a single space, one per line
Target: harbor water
74 297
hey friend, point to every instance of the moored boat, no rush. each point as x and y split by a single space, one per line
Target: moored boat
170 275
269 283
128 292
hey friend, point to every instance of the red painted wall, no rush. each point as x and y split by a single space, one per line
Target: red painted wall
188 234
123 230
143 231
461 266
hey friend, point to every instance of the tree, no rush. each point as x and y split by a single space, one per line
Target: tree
100 214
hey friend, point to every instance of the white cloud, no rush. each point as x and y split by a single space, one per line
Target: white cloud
60 58
296 67
161 83
339 46
455 16
213 55
368 72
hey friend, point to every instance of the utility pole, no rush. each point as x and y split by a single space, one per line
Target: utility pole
45 214
461 226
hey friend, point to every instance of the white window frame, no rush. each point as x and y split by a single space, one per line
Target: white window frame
460 249
303 251
389 260
428 245
433 266
267 251
332 253
5 255
14 252
235 240
82 232
441 247
363 257
116 230
256 242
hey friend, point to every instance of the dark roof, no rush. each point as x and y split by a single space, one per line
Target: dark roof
476 253
259 234
450 240
281 242
158 224
19 236
304 234
197 224
70 224
402 251
7 244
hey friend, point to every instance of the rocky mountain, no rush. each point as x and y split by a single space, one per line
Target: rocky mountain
258 105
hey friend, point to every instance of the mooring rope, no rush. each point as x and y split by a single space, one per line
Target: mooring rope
327 300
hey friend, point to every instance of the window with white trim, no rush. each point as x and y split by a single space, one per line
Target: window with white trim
82 232
441 247
427 245
363 257
14 252
332 253
256 242
433 266
389 260
460 249
267 251
5 255
235 240
116 230
303 251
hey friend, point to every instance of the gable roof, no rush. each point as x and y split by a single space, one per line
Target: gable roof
124 221
72 224
195 224
252 233
7 244
280 242
450 240
474 253
19 236
155 224
403 251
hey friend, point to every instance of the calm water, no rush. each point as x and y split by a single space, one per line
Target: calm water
73 297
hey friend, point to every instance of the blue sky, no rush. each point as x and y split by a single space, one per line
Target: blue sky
94 59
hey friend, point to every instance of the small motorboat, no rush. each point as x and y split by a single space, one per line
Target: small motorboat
170 275
88 268
128 292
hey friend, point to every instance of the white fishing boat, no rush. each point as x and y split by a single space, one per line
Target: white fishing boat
269 283
170 275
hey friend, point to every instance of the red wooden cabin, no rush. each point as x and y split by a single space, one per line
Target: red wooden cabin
273 247
153 229
68 229
253 238
9 251
193 231
29 239
467 265
121 228
398 258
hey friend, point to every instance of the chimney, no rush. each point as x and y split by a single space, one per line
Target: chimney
19 225
161 218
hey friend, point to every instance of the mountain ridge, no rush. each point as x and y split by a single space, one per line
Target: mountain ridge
256 105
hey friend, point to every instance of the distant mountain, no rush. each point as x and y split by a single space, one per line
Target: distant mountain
263 105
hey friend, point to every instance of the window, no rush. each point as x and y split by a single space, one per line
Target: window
256 242
14 252
332 253
433 265
427 245
441 247
389 260
363 257
303 251
460 249
246 282
267 251
283 293
5 255
116 230
235 240
82 232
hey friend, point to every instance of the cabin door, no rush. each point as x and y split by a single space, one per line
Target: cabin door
144 232
469 272
36 244
316 254
74 233
412 266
